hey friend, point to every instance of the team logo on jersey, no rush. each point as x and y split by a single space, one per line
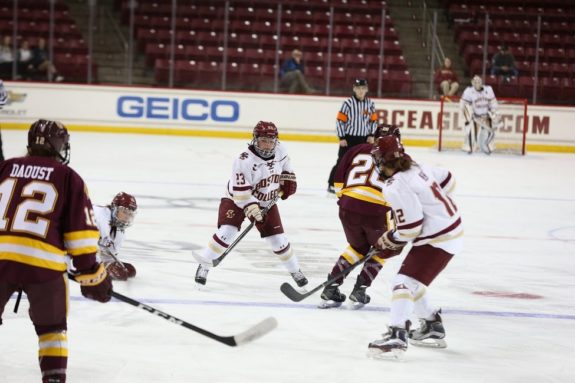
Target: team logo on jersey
230 214
244 156
271 165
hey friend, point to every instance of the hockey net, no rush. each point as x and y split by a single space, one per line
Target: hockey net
509 137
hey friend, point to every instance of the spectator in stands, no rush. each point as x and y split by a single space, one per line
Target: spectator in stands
503 64
6 57
446 79
24 58
40 62
292 77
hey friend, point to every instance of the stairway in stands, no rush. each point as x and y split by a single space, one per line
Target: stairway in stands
110 39
407 16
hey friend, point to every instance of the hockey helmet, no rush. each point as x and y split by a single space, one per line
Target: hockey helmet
124 209
265 138
387 130
386 149
49 139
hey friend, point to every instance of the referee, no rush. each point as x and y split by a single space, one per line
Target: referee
355 124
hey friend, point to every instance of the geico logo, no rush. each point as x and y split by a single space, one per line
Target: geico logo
190 109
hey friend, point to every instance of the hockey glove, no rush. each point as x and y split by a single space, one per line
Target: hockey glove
253 212
288 184
386 241
95 283
120 271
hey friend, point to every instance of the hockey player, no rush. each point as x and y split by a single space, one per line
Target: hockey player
478 106
365 215
112 221
426 217
46 218
259 175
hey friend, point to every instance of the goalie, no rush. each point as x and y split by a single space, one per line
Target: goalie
478 106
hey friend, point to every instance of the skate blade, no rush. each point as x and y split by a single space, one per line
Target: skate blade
329 305
393 355
429 343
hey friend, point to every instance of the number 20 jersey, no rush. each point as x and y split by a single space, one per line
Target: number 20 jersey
357 182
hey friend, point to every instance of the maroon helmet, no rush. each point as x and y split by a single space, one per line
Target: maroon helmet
387 130
124 208
49 139
268 132
385 149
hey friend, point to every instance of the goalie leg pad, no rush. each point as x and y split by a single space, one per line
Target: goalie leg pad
486 137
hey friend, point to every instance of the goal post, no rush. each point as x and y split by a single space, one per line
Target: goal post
510 136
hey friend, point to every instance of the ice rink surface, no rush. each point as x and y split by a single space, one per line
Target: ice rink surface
508 299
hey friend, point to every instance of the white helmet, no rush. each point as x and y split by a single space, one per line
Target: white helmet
477 82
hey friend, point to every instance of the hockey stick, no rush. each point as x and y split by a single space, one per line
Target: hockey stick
290 292
481 124
240 339
217 261
117 260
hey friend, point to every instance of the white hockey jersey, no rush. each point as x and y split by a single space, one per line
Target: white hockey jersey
255 179
110 240
481 101
424 210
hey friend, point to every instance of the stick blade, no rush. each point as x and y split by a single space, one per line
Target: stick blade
292 293
256 331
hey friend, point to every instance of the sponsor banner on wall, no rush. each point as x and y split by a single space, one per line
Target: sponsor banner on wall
184 110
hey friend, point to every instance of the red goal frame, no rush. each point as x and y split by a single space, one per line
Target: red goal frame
516 122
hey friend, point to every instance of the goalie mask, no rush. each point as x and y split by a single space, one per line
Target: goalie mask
477 82
124 208
49 139
265 139
386 149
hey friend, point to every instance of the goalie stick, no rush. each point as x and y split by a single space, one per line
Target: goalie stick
482 124
256 331
219 259
290 292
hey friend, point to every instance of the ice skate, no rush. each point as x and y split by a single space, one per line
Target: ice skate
202 275
359 297
429 334
331 297
392 346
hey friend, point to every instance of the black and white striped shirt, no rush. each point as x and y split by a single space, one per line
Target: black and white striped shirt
356 118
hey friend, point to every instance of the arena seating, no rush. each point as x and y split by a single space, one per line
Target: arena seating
515 24
252 42
70 49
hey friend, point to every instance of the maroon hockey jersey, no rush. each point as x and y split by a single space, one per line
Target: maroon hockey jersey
357 183
45 216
